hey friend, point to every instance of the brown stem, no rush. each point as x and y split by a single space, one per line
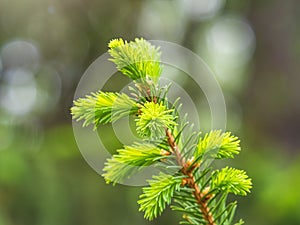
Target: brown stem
190 180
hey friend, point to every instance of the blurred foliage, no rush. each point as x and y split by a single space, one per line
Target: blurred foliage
45 47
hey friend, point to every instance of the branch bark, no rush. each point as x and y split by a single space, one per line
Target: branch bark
190 180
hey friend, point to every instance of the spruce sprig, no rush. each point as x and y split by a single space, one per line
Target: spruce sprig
131 159
186 180
219 145
103 107
153 119
136 59
159 194
231 180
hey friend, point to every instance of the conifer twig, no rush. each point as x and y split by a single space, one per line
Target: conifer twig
200 195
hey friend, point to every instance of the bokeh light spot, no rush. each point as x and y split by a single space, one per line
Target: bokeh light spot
202 9
231 38
19 53
19 93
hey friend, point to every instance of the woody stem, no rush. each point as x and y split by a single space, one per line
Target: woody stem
190 180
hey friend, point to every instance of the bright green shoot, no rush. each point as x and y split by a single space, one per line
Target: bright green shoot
185 181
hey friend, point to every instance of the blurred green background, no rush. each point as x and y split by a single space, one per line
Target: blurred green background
45 46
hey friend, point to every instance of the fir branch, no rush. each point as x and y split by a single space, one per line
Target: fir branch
217 144
103 107
201 195
152 119
131 159
137 59
231 180
159 194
